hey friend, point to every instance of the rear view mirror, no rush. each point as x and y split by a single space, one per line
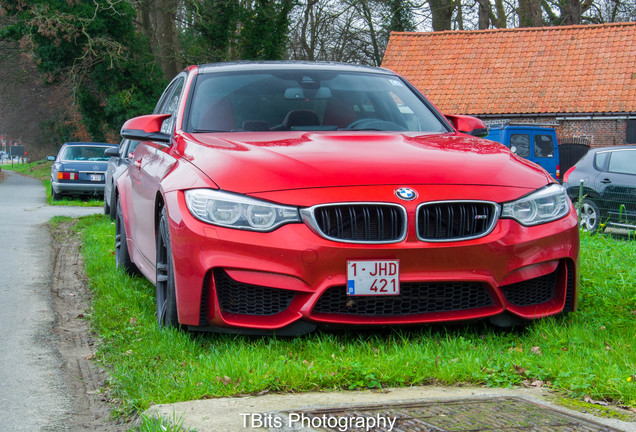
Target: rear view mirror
300 93
146 128
111 152
468 125
294 93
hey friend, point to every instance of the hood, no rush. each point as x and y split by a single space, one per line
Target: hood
274 161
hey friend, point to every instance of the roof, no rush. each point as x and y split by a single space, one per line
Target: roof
291 65
83 143
547 70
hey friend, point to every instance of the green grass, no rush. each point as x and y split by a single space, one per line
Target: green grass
41 170
590 353
160 424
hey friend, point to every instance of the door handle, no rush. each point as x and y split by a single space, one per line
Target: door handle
606 180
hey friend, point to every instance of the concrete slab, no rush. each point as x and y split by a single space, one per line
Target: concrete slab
280 412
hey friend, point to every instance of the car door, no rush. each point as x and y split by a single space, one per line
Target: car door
617 183
150 163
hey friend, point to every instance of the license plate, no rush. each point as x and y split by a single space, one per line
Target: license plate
96 177
373 277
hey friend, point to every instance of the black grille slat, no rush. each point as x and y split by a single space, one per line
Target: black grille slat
533 291
448 221
244 299
414 298
361 222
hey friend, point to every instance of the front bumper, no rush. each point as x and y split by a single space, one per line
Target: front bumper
249 281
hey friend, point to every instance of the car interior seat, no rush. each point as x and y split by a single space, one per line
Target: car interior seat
300 118
217 117
339 113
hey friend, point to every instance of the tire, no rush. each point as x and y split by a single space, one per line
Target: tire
165 287
106 206
589 215
113 204
54 195
122 256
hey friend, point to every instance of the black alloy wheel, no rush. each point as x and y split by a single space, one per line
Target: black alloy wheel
165 287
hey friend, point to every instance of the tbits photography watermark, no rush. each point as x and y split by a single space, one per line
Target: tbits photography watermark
303 421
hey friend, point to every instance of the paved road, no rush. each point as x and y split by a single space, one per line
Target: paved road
33 396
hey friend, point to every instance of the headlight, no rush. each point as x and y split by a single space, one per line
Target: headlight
544 205
238 211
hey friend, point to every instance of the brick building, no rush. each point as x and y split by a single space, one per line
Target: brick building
579 79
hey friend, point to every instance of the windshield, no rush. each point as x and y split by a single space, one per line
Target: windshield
307 100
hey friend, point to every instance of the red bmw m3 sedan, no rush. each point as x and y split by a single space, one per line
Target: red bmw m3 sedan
277 197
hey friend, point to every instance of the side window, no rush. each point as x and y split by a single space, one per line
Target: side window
164 97
132 147
543 146
123 148
520 144
600 160
126 148
623 162
169 103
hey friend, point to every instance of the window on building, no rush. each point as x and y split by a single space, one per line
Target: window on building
631 131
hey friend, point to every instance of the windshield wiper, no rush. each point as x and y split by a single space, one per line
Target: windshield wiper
208 130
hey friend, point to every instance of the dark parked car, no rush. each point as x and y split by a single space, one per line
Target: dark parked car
79 169
609 187
119 160
277 197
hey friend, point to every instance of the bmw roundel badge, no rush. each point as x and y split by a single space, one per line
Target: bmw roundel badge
407 194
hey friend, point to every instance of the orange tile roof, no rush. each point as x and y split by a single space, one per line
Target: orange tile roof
560 70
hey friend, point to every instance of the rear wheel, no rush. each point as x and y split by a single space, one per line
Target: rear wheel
122 256
165 287
106 206
54 195
589 215
113 204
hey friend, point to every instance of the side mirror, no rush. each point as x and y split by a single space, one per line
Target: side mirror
468 125
146 128
50 158
111 152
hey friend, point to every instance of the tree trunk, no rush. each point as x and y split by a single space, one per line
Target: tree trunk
501 20
530 13
484 14
442 13
157 19
165 30
573 12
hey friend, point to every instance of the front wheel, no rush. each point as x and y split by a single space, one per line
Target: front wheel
589 215
165 288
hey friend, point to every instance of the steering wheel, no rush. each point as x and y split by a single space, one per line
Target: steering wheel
375 124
